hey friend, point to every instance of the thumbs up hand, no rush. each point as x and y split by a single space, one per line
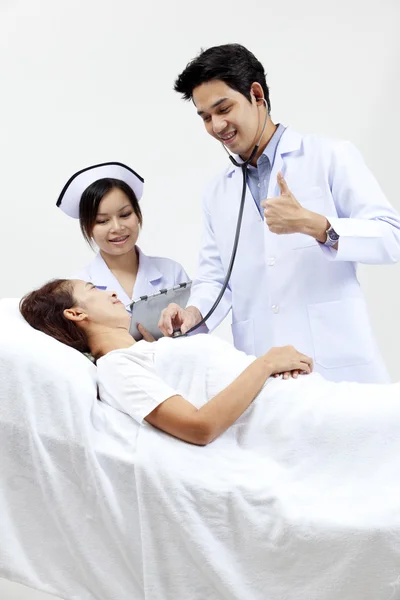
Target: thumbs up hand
284 214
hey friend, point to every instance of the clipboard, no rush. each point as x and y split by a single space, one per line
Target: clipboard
146 310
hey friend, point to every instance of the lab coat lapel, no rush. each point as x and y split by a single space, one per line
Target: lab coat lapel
289 142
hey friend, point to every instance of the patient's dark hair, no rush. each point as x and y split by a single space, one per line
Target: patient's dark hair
94 194
44 309
230 63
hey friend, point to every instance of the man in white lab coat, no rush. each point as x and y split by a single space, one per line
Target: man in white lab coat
313 210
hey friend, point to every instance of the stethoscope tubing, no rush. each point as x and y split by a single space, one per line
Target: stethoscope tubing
243 166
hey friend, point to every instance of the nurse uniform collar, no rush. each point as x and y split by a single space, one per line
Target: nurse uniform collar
71 194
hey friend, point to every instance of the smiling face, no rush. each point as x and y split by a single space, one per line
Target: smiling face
77 314
116 228
229 117
97 306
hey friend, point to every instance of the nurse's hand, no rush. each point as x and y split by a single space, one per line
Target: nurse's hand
176 317
285 214
145 334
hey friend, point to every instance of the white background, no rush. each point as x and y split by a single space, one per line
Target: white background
87 81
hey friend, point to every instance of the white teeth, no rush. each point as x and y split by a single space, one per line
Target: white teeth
228 137
120 239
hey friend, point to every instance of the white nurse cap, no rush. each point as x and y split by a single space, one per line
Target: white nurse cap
72 191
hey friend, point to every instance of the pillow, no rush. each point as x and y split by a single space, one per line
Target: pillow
40 374
34 345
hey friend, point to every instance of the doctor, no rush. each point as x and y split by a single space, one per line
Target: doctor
105 199
313 211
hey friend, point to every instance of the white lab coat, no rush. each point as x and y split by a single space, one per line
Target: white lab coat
154 273
289 289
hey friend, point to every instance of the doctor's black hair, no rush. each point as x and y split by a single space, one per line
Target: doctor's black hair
94 194
231 63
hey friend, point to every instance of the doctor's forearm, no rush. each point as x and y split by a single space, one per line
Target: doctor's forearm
314 225
196 313
203 296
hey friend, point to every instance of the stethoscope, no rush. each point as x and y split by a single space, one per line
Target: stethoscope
243 165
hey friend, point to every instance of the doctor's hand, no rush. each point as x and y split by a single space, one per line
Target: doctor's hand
284 214
176 317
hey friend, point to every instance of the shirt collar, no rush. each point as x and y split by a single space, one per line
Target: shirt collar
269 151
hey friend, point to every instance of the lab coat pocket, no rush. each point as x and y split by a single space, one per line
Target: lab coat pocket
312 199
243 336
300 240
341 333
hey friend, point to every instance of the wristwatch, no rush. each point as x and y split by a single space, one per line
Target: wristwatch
331 237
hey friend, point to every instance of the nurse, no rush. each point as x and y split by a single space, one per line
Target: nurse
313 211
105 199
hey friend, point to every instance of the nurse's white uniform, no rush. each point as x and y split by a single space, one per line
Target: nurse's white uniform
154 273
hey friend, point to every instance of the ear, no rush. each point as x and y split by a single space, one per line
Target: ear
75 314
257 92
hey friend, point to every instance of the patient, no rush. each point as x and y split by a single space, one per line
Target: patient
193 388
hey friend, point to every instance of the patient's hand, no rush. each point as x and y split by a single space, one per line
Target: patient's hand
146 335
287 361
288 374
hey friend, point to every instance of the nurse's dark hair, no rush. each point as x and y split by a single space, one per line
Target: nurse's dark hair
94 194
230 63
44 310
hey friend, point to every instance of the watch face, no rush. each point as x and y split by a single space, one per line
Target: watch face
333 235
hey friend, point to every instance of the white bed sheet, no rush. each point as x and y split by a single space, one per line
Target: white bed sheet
297 502
68 504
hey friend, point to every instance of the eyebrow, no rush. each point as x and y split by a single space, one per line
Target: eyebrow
120 210
217 103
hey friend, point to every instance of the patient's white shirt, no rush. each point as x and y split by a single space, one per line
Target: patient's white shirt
137 379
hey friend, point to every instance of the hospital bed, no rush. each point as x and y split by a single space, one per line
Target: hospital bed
94 507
